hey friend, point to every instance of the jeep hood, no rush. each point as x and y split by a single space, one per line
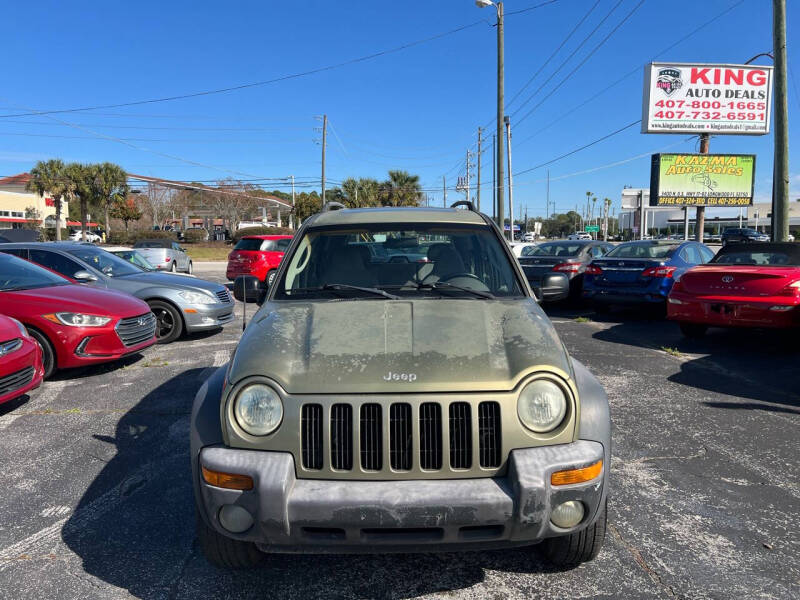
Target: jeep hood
431 345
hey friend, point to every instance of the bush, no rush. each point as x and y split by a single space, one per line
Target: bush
192 236
261 231
118 238
135 236
49 234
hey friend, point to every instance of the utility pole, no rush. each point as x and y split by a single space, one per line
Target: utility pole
444 189
479 171
700 215
500 112
507 121
468 167
494 168
547 206
291 213
324 141
780 197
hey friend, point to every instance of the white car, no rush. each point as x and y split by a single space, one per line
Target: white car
579 235
528 237
522 248
77 236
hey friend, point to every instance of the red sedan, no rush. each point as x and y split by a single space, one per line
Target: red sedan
21 367
744 285
257 255
75 325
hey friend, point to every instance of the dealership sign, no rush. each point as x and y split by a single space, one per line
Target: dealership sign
703 98
702 179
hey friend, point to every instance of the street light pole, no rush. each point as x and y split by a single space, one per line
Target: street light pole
500 109
780 199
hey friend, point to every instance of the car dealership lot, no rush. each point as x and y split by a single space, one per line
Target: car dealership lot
705 499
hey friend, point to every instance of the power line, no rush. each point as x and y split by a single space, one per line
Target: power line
586 58
597 141
524 10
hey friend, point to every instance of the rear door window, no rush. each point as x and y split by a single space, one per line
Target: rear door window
56 262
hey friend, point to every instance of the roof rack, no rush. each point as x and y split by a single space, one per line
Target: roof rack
328 206
467 203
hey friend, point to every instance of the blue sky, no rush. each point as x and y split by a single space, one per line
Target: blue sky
417 109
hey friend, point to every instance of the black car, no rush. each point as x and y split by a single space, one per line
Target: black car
743 235
569 257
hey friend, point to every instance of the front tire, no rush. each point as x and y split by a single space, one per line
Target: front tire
225 552
271 277
173 267
582 546
693 330
169 324
190 269
48 353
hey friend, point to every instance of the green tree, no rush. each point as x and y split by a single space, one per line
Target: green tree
401 189
47 177
305 205
81 189
125 209
361 192
33 218
109 181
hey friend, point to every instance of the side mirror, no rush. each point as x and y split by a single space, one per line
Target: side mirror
247 288
553 287
84 276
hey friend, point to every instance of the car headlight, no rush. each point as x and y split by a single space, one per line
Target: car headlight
77 319
22 330
258 409
197 297
541 406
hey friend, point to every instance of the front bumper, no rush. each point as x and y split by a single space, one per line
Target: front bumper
21 371
308 515
199 317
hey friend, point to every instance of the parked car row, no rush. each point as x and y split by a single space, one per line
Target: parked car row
80 305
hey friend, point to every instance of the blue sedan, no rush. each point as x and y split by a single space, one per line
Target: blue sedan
641 272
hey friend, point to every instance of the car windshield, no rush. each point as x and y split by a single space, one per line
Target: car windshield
105 262
410 260
18 274
557 249
768 256
135 258
641 250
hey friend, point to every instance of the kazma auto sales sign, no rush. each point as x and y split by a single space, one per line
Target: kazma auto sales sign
702 179
703 98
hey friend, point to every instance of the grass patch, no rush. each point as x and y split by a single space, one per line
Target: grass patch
155 363
582 320
671 351
208 251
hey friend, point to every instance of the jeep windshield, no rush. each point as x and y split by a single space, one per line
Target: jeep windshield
426 261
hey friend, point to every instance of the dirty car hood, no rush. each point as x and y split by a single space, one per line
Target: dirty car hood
376 346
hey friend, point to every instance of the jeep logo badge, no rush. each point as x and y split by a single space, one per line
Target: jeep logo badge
727 279
409 377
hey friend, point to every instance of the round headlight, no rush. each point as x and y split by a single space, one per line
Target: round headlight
258 409
541 406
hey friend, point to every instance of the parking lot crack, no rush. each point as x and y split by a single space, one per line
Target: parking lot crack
639 558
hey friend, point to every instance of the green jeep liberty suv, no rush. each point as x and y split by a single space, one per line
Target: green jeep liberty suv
399 389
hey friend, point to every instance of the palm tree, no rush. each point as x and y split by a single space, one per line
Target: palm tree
401 189
48 177
109 181
606 210
586 214
79 179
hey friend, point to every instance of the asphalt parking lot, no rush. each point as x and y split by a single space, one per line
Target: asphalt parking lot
96 500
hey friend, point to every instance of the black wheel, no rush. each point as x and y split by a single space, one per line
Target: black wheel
225 552
48 353
693 330
575 548
271 276
173 267
169 324
191 268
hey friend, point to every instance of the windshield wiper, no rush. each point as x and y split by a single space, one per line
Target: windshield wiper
438 285
358 288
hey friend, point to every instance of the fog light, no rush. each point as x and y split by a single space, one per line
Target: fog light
567 514
236 519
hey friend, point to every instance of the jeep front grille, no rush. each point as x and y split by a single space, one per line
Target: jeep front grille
414 436
311 435
460 436
489 433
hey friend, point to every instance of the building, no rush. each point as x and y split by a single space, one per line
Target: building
15 201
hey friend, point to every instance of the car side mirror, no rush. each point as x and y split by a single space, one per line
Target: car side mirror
84 276
247 288
552 288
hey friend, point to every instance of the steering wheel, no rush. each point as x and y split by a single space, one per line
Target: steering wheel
467 280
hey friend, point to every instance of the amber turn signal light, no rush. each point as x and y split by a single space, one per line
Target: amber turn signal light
231 481
577 475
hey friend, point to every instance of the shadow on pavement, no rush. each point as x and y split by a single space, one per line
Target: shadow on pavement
134 527
12 405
